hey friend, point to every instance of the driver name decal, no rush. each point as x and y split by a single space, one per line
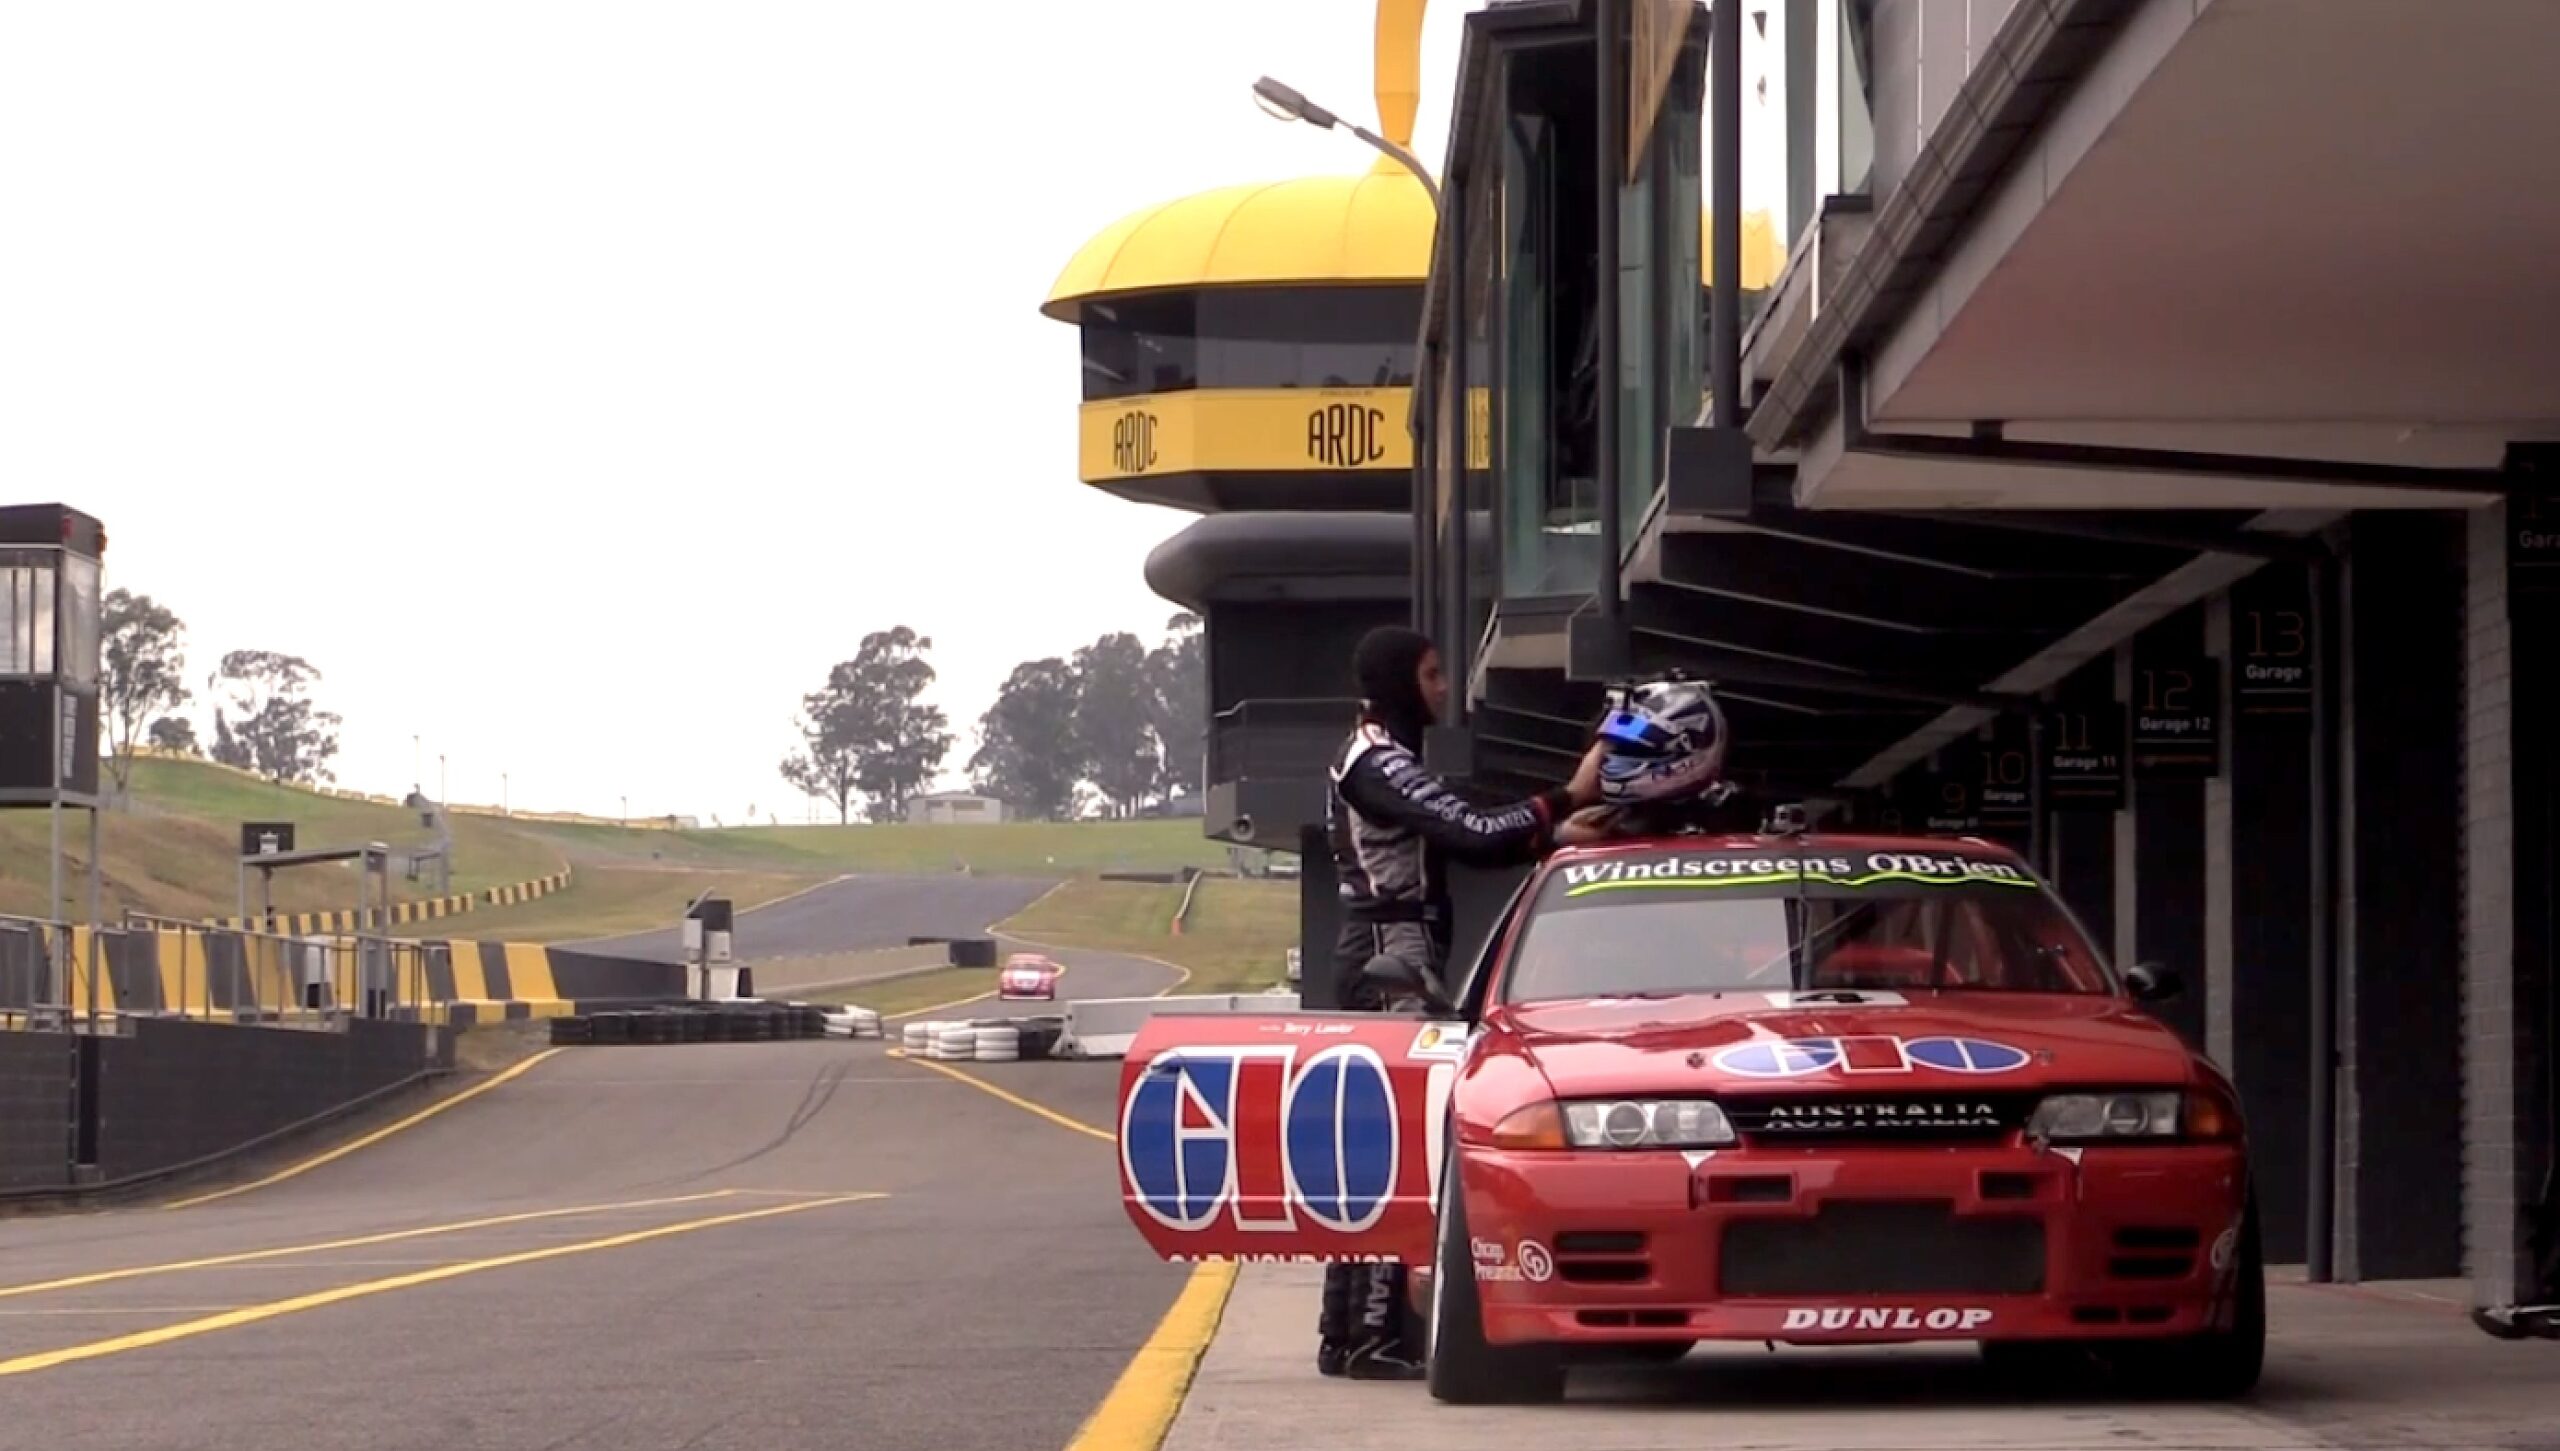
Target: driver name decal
1739 869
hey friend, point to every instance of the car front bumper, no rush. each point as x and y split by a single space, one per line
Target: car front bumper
1863 1246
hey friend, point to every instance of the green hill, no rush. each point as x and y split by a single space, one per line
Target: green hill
174 849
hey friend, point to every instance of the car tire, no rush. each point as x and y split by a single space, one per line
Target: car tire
1464 1368
2222 1363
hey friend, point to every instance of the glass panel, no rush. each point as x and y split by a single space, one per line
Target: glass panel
80 606
26 617
1684 343
1661 349
1139 345
1527 450
1846 128
1552 369
1307 337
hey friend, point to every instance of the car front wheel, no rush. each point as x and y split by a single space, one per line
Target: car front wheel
1466 1369
2222 1363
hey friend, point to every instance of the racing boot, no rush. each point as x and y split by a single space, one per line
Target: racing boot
1333 1320
1382 1352
1385 1359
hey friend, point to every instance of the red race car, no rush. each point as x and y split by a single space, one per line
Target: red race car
1028 975
1806 1088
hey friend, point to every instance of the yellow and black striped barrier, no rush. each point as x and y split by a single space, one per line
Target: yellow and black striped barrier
403 914
219 975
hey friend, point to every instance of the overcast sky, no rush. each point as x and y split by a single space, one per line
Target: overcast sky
572 383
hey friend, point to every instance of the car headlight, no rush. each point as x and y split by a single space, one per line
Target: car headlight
2070 1118
1646 1123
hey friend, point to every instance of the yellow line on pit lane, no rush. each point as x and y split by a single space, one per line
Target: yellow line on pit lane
253 1314
1017 1100
377 1136
135 1272
1139 1410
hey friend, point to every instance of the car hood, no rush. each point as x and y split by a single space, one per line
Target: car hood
1777 1042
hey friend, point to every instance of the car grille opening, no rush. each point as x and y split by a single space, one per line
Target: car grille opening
1884 1248
1751 1189
2154 1252
1600 1242
1602 1257
1631 1319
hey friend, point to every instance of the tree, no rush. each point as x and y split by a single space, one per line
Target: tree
1113 730
279 733
142 662
869 731
175 733
1027 754
1178 704
824 766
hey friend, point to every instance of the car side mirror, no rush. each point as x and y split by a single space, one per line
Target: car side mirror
2153 982
1401 981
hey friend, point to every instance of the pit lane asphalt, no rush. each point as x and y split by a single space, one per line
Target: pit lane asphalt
989 1299
850 914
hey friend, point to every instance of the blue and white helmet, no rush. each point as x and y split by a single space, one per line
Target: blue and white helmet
1666 740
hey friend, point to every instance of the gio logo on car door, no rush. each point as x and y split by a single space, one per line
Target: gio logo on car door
1282 1136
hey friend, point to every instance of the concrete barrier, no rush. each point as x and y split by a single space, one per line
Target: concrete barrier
1104 1027
403 914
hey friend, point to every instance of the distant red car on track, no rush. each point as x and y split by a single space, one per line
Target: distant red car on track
1028 975
1806 1088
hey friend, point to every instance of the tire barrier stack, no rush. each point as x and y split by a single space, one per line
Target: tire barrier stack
982 1040
964 951
747 1021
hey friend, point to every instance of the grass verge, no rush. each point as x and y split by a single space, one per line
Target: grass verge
1237 940
607 901
905 996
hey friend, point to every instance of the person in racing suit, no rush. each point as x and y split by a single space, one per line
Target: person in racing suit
1393 827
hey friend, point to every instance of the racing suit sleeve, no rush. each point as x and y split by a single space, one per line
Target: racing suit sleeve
1392 786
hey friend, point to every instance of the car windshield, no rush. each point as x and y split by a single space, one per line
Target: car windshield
1725 920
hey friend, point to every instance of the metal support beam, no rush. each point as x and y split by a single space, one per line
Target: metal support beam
1728 666
1453 635
2117 529
2039 820
1724 166
2320 1212
1423 419
1988 447
1610 172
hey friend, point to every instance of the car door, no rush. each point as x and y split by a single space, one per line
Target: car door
1292 1136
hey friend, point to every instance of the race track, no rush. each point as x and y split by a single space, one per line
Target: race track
853 913
987 1297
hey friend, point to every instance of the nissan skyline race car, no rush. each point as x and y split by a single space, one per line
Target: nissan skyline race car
1028 975
1818 1089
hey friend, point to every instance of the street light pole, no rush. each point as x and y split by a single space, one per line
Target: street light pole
1289 104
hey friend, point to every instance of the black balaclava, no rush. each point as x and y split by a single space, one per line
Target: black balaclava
1389 665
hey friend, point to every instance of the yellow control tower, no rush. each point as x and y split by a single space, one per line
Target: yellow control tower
1253 347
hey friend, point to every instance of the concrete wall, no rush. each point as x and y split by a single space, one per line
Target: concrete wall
2492 1252
175 1091
2400 1041
35 1110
